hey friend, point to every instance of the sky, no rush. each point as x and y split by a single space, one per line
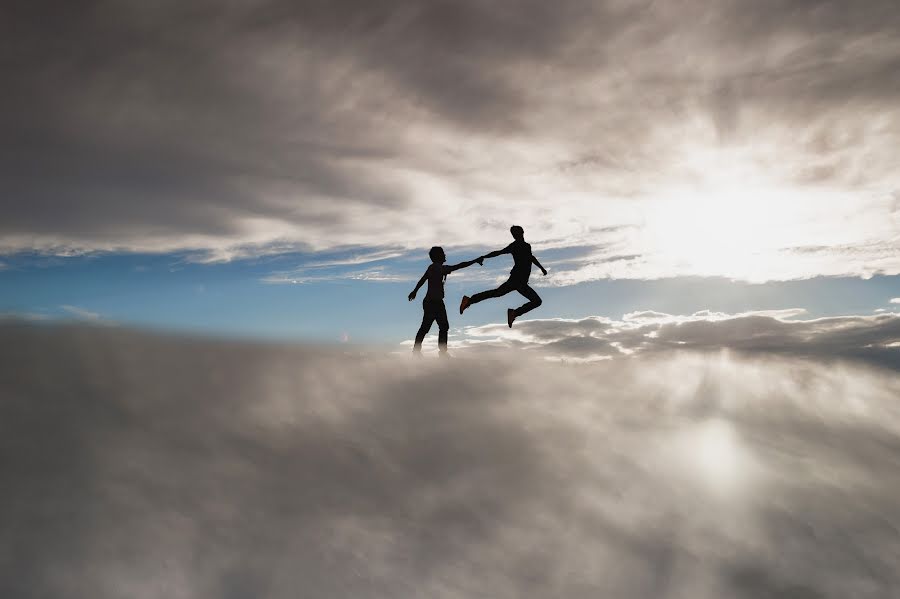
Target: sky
212 213
279 169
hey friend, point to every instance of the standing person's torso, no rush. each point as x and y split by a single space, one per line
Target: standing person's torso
435 282
521 253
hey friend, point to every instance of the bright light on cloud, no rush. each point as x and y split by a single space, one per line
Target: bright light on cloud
712 452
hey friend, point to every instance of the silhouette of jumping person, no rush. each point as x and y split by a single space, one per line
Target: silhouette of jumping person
433 305
518 277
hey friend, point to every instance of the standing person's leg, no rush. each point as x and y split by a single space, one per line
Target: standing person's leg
532 295
427 318
443 326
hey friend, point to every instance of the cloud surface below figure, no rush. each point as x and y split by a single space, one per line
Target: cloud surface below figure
161 466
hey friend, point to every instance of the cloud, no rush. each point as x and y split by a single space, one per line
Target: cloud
356 259
341 267
213 468
895 300
81 313
299 277
26 316
751 141
780 332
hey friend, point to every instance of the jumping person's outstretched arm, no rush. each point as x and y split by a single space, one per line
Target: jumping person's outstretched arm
506 250
421 282
538 264
451 268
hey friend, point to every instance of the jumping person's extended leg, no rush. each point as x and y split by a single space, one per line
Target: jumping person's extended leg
428 317
498 292
443 326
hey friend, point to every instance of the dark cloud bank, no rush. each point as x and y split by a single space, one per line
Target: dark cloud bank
144 466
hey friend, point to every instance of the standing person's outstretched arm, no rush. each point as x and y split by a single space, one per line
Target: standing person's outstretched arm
421 282
506 250
538 264
451 268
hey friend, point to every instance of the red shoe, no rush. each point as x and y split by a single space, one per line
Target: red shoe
510 316
466 300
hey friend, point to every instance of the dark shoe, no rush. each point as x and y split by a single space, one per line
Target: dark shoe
510 316
466 300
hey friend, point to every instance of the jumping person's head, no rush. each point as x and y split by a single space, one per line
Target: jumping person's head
517 232
437 255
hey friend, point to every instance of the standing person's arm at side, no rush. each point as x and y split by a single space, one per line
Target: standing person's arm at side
421 282
538 264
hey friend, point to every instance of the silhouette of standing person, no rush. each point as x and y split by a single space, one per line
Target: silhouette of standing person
518 277
433 305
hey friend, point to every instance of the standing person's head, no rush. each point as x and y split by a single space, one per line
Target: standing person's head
437 255
517 232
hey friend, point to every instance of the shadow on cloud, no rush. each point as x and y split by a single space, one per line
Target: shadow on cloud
151 466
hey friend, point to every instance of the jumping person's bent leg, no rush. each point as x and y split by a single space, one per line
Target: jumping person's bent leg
443 326
532 295
498 292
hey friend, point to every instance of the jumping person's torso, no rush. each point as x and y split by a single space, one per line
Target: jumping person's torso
435 282
521 253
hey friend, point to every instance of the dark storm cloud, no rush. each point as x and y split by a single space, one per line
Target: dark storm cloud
237 127
150 466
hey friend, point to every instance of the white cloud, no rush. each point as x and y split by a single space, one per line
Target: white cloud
24 316
363 257
776 331
204 469
304 276
81 313
895 300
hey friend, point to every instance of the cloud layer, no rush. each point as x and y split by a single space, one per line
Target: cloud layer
782 332
158 467
751 140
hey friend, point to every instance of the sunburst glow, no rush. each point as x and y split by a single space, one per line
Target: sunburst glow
713 452
729 217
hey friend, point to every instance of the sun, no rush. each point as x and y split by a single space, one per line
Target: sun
725 218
